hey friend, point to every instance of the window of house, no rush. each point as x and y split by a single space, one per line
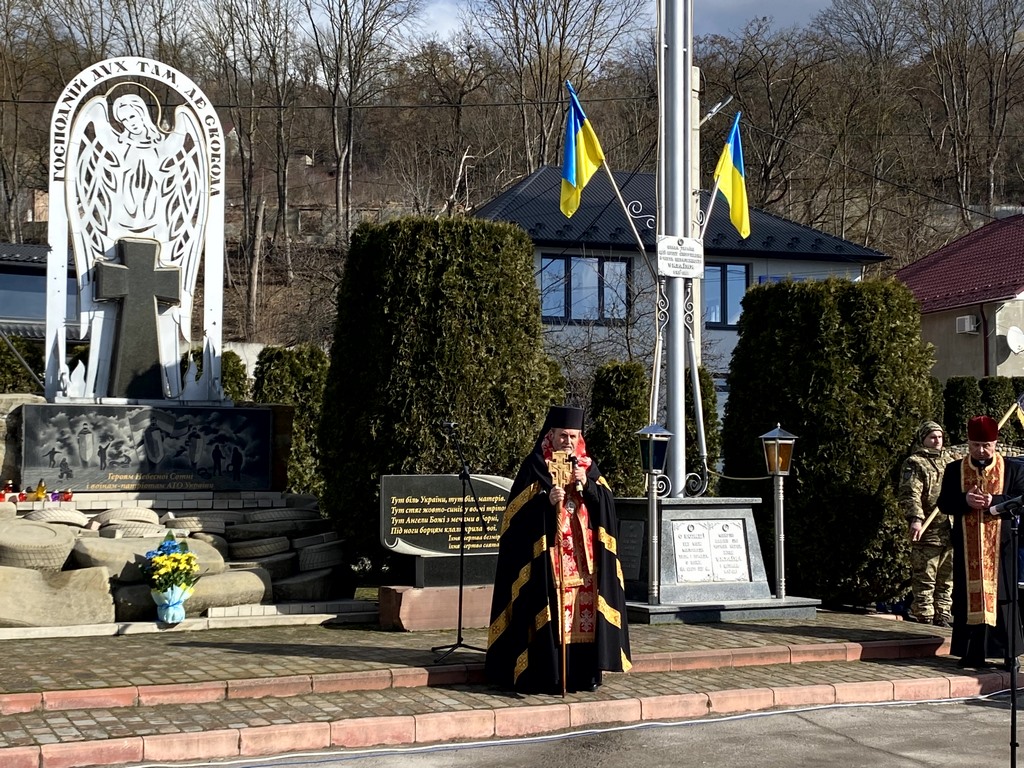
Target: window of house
584 289
724 286
23 296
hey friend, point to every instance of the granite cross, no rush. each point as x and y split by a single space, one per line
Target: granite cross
138 285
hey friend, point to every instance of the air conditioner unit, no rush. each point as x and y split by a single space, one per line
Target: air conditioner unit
967 324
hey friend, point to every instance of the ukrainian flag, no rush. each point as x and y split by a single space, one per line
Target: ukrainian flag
731 183
583 155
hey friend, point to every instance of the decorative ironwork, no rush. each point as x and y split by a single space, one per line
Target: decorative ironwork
688 306
635 209
697 482
663 304
662 485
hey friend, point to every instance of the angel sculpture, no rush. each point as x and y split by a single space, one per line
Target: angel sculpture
133 181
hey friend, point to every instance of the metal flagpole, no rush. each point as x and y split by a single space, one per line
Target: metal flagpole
660 302
675 214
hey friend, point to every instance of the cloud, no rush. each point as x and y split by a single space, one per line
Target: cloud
440 18
728 17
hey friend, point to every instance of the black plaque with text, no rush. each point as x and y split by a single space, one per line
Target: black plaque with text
422 514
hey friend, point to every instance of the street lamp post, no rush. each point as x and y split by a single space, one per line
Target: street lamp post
654 441
778 454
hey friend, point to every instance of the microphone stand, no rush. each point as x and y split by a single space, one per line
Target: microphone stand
467 483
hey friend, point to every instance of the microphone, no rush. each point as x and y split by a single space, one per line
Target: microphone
579 485
1008 507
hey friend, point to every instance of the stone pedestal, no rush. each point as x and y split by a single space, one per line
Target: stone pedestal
443 571
102 448
10 436
711 568
409 608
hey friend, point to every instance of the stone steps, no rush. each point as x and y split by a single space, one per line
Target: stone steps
210 719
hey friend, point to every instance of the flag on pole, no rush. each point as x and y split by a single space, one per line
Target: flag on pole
731 183
583 155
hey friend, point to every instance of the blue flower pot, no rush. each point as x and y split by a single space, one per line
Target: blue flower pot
170 603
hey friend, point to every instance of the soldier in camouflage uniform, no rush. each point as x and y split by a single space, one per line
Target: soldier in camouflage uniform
931 553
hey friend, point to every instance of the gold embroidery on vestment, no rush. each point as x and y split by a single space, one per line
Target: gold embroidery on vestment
608 540
516 504
500 623
611 615
982 535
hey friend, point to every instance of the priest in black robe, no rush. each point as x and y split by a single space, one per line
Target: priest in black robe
557 557
984 561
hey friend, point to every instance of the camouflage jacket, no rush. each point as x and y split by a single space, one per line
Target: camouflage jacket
920 481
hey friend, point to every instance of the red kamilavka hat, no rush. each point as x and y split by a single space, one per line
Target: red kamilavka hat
982 429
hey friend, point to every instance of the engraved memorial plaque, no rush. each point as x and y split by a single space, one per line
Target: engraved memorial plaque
728 551
710 550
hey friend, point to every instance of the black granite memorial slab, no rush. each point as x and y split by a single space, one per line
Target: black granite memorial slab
421 517
102 448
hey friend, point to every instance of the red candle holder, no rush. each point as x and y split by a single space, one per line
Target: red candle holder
66 496
22 496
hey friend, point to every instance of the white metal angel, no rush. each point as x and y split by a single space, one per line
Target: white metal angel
129 178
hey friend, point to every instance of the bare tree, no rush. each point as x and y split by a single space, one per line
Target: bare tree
440 139
22 69
239 58
772 76
539 44
972 52
355 42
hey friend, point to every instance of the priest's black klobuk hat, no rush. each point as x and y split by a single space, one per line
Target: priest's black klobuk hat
564 417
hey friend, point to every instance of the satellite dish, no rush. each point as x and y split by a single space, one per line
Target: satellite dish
1015 339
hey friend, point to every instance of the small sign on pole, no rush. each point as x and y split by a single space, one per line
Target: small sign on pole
680 256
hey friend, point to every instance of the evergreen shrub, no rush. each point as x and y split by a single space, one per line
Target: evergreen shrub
938 404
14 379
997 398
438 321
842 366
962 397
618 409
712 429
296 377
233 377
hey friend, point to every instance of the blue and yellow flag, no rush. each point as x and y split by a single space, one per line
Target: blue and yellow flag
731 183
583 155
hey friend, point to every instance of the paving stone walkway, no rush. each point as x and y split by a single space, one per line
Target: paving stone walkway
176 695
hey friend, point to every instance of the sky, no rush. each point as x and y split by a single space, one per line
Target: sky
728 17
722 17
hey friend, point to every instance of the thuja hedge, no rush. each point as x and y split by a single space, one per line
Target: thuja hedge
962 398
233 378
842 366
438 321
618 408
712 428
296 377
965 396
13 376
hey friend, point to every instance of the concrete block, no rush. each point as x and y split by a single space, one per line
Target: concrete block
410 609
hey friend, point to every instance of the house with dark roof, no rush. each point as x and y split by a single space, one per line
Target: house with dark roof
23 290
971 292
593 281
